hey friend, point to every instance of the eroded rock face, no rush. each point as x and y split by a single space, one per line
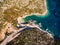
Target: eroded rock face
32 36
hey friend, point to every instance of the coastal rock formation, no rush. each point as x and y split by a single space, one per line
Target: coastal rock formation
11 10
24 7
2 36
32 36
8 29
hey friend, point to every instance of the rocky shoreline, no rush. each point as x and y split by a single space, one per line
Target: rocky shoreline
32 36
34 27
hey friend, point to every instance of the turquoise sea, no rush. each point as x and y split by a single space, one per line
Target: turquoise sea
49 21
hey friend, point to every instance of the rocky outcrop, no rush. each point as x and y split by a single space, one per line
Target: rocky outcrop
32 36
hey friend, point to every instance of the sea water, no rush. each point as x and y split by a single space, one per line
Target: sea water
49 21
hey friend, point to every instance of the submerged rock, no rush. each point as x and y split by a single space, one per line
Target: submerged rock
32 36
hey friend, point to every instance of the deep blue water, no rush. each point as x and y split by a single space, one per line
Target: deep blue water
51 20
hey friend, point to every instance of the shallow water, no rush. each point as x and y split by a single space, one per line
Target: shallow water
49 21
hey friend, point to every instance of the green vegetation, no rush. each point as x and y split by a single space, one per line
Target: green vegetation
1 25
14 23
32 37
11 15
